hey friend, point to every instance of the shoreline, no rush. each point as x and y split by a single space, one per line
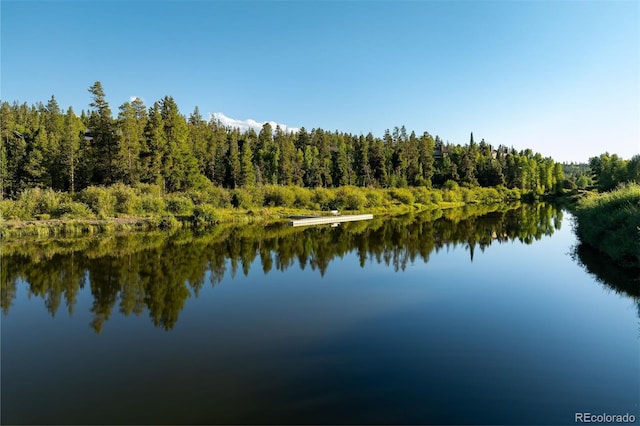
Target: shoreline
16 229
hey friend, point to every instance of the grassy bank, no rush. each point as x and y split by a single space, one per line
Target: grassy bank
145 207
610 222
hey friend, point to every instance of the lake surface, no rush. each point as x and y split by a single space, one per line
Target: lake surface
467 317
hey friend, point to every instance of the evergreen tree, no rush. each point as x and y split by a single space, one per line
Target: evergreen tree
247 172
234 165
131 124
104 143
154 147
70 149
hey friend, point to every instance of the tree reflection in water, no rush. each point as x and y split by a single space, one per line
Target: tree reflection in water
159 271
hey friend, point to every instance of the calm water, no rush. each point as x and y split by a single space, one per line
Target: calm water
468 318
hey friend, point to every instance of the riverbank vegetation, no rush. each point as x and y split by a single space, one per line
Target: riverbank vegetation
143 207
610 222
44 147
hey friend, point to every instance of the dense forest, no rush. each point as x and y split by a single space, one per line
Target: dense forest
44 147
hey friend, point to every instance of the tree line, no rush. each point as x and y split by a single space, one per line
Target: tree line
44 147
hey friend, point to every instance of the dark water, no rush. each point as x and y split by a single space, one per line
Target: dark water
474 317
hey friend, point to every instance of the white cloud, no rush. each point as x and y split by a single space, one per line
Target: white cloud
247 124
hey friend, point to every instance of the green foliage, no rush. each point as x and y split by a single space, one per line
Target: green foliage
375 198
128 202
302 197
324 198
168 222
278 196
152 204
404 196
247 198
72 210
422 195
610 222
451 185
179 204
350 198
205 215
436 197
99 199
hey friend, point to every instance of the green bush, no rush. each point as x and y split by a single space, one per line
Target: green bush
610 222
214 195
402 195
451 185
302 197
99 199
169 222
148 189
375 198
421 195
247 198
152 204
490 195
468 195
6 210
452 196
205 214
127 201
324 198
73 210
436 197
278 196
179 204
350 198
219 197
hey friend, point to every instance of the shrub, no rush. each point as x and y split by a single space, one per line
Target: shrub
302 197
452 196
219 197
127 201
350 198
152 204
610 223
422 195
179 204
169 222
451 185
99 199
436 197
325 198
246 198
148 189
468 195
374 198
50 200
205 214
73 210
278 196
7 208
402 195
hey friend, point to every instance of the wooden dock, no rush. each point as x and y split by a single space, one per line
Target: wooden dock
330 220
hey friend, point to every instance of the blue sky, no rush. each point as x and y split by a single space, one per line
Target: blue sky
560 77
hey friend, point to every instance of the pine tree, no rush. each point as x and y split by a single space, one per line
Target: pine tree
70 149
131 124
247 172
104 142
234 165
154 147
